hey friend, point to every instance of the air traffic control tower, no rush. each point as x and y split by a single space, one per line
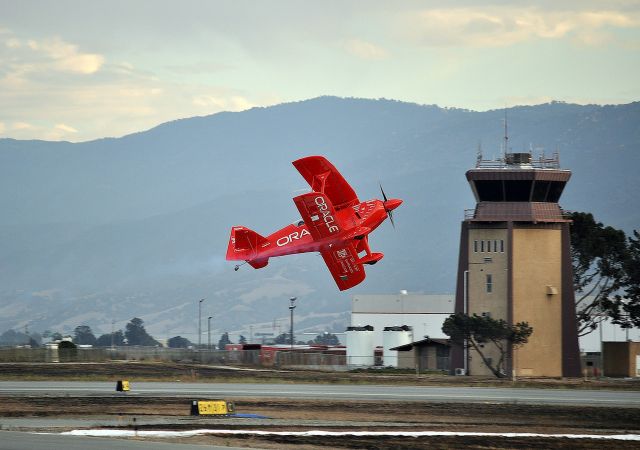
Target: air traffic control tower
515 264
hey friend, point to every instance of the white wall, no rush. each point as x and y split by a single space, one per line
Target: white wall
422 324
610 333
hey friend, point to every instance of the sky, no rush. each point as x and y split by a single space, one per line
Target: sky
78 70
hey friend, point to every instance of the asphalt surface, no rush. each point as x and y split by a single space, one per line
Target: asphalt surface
11 440
329 392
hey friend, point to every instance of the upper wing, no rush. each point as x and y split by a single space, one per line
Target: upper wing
323 177
342 261
318 214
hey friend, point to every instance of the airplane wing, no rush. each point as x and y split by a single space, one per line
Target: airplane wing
318 214
323 177
342 261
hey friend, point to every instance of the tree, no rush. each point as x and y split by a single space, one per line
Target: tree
224 340
283 338
11 337
475 331
67 351
601 259
179 342
242 340
66 345
106 340
84 336
36 338
56 336
137 335
325 338
628 315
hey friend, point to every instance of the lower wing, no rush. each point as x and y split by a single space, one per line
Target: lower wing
342 261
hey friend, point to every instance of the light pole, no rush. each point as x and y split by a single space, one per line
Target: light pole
209 332
291 308
200 323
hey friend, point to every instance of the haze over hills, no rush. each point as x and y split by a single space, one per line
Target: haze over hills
138 225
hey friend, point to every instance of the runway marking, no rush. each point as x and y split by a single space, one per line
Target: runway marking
161 433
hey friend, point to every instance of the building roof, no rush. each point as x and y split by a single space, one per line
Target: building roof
422 343
516 212
403 303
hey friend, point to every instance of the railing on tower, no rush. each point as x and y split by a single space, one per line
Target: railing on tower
511 160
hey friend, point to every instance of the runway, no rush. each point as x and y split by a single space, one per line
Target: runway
332 392
12 440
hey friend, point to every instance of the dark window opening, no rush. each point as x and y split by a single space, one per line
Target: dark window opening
490 190
489 283
555 191
540 189
517 191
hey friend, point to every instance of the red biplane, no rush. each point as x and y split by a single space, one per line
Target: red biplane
334 223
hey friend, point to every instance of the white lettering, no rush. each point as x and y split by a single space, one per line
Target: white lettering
329 221
284 240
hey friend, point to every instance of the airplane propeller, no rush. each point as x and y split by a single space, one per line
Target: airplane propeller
390 205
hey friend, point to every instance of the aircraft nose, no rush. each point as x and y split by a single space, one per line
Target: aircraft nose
392 204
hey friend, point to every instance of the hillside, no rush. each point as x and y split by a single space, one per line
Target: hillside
138 226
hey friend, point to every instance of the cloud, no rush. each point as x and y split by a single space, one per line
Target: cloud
59 132
66 57
497 27
201 67
19 126
27 59
365 50
58 92
232 103
65 128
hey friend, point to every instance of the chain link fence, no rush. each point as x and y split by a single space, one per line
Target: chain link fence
251 358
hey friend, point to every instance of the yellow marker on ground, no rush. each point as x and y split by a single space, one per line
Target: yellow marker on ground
211 408
122 386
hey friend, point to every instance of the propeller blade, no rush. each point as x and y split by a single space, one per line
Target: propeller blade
391 220
382 190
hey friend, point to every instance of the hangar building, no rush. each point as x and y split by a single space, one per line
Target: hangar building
423 313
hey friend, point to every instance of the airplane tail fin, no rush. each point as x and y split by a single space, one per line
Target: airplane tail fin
245 245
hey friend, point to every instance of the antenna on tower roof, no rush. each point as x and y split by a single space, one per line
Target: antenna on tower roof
506 132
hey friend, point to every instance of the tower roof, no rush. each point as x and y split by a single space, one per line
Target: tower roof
518 187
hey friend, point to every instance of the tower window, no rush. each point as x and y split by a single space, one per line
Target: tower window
482 246
475 246
501 246
489 283
517 190
495 246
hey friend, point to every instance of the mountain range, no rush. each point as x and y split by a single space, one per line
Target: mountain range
96 233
